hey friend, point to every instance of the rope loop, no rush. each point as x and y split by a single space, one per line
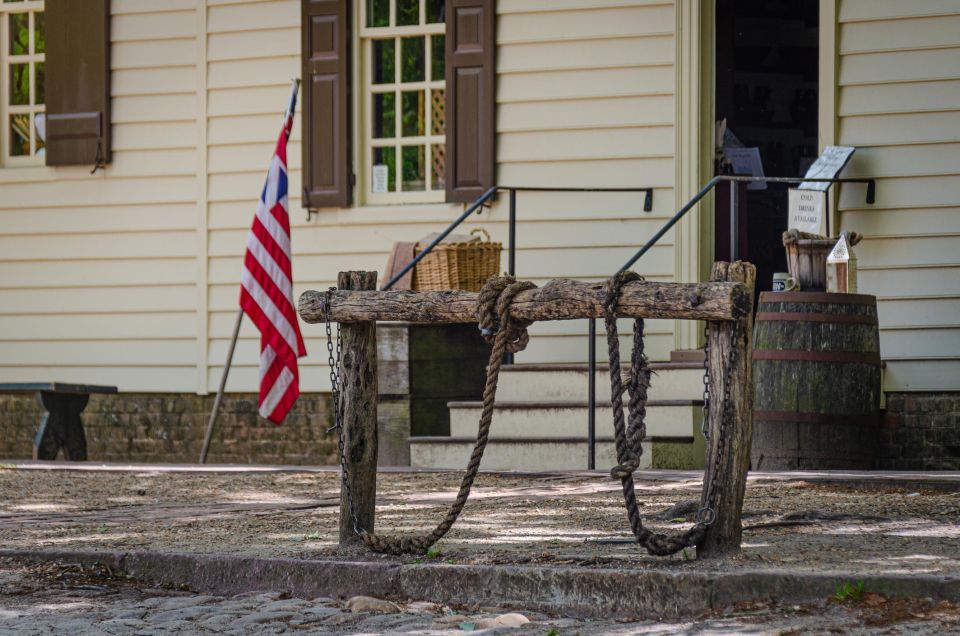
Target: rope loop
493 311
504 333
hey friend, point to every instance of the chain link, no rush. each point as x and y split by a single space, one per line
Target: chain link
333 358
706 514
705 415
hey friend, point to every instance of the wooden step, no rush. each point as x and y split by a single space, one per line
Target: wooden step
555 453
677 418
670 381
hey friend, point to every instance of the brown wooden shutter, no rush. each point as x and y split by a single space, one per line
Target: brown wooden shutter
77 82
327 174
471 106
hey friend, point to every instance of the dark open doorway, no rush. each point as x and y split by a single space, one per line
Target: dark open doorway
766 89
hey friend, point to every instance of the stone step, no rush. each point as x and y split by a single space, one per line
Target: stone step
559 419
670 381
542 454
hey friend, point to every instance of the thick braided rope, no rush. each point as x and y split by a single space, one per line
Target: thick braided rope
628 441
509 335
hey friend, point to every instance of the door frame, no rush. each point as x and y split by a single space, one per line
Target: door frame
695 75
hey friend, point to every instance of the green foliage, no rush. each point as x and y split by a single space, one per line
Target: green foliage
433 552
553 632
850 592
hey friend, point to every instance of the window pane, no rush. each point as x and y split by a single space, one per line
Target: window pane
435 12
19 84
438 120
384 60
437 53
438 164
384 161
39 33
384 115
413 168
19 135
411 59
19 33
40 80
412 113
408 12
378 13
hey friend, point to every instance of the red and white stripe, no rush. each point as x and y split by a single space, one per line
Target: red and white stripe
266 287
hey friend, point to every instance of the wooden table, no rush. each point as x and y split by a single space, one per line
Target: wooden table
61 425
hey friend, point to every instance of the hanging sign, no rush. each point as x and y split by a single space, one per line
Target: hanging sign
827 166
806 210
746 161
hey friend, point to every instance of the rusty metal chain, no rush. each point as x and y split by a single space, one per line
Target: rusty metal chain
705 411
334 362
714 492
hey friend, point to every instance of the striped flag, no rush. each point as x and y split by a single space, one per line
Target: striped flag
266 290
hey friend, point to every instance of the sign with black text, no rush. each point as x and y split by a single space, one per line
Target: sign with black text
827 166
806 210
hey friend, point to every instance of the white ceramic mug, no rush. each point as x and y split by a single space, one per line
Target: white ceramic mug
783 281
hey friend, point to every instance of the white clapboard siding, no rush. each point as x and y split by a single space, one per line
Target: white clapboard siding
98 273
130 276
899 101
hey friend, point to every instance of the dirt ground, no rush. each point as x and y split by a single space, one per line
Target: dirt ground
807 522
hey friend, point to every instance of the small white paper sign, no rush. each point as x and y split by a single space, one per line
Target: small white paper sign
380 178
840 252
746 161
806 210
827 166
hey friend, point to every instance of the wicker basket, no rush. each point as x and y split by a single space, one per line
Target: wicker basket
465 265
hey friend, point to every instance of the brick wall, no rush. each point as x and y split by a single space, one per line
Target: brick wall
921 431
149 427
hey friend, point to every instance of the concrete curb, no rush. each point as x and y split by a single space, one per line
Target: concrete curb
655 593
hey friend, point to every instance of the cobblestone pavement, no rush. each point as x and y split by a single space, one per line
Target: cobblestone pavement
45 598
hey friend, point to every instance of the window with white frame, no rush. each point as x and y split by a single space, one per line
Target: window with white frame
403 135
22 88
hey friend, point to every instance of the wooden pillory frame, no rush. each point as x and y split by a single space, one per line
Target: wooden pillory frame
726 303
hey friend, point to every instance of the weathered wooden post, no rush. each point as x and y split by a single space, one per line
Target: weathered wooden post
358 399
729 470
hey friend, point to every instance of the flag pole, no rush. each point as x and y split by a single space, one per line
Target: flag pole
233 344
223 386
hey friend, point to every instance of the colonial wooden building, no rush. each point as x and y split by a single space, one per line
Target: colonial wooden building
128 275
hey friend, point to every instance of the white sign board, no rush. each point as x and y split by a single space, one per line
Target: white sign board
380 178
806 210
746 161
827 166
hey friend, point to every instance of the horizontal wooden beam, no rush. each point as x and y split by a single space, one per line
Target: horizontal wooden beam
560 299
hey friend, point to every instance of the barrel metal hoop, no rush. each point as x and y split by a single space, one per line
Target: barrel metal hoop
801 316
817 297
854 357
816 418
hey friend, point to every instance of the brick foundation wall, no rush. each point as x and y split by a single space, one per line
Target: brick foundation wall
150 427
921 431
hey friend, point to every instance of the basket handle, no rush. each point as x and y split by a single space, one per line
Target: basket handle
480 230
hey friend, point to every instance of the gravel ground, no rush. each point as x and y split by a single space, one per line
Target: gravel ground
39 599
808 524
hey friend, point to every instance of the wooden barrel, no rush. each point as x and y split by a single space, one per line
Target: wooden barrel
816 375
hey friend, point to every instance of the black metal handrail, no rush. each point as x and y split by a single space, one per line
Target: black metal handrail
647 207
512 222
734 254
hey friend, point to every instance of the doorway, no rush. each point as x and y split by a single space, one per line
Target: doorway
766 82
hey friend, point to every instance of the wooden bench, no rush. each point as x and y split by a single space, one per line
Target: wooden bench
61 425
